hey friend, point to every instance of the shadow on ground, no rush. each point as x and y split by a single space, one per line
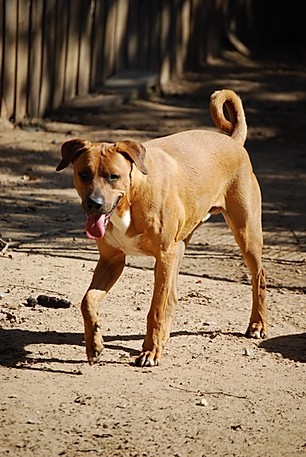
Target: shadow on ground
291 347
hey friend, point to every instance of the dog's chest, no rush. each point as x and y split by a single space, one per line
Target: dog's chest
116 235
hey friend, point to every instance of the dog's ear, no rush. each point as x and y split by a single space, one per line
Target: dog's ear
135 151
70 151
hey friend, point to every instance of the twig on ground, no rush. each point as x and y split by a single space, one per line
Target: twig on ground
24 286
297 238
4 245
98 449
216 392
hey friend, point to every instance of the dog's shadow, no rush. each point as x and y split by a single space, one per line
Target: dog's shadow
13 344
291 347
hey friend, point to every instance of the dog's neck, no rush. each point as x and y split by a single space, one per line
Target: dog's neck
121 219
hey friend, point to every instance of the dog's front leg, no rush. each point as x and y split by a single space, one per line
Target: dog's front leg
106 274
166 266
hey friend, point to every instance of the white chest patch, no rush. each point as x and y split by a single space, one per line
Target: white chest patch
206 217
117 237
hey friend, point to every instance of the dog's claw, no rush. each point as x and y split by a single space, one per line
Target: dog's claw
95 358
94 355
255 332
147 359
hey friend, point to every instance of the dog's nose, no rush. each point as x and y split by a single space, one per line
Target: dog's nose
94 203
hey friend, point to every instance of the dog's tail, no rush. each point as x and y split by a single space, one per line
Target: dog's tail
236 126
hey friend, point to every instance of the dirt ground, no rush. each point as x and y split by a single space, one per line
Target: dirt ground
216 392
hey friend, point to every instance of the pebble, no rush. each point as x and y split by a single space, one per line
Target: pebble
209 323
203 402
32 421
255 412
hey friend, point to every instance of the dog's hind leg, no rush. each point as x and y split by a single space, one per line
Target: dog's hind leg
243 215
106 274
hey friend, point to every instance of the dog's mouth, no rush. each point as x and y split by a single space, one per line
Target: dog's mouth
96 223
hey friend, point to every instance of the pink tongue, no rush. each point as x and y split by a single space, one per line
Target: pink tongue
95 226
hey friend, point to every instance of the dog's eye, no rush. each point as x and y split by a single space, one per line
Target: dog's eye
84 175
113 177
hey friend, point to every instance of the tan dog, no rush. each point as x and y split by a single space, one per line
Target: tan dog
147 199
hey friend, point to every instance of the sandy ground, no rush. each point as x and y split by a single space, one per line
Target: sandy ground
216 393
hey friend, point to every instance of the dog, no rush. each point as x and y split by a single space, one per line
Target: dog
148 199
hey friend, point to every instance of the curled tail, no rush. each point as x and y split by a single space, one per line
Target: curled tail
236 126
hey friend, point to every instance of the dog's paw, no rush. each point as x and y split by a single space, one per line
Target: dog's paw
94 357
256 331
147 359
93 352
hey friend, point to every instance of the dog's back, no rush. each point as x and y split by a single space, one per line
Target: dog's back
208 149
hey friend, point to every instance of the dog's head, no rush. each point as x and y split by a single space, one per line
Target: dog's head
102 177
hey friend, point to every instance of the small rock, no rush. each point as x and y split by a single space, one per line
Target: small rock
31 421
248 352
121 406
203 402
256 412
25 178
209 323
83 399
236 427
